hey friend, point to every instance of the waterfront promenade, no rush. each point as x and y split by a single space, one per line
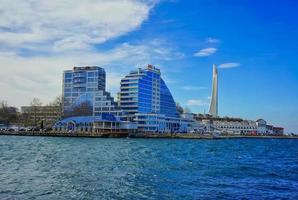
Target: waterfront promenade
109 134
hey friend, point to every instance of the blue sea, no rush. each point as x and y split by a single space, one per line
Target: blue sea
98 168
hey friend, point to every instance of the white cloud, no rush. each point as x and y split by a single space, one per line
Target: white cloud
59 34
205 52
40 39
228 65
212 40
41 76
196 102
61 25
193 88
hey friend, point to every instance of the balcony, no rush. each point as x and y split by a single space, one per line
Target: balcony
79 80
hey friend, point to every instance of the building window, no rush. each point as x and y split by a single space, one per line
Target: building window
68 75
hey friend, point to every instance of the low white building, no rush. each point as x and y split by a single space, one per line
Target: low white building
236 127
261 124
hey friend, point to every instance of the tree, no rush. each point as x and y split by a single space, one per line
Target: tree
179 108
35 103
57 102
83 109
186 110
8 113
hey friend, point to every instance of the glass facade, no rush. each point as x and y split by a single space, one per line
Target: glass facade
145 98
144 91
80 85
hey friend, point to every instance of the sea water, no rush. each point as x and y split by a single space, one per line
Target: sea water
98 168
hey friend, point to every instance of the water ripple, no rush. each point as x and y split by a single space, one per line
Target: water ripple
86 168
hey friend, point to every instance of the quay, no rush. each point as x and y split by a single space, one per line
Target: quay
104 134
124 134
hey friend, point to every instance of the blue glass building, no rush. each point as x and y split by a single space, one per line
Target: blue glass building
146 99
87 85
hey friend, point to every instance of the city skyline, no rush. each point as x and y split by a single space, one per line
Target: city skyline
257 64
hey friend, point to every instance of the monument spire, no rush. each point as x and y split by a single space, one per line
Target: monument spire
213 110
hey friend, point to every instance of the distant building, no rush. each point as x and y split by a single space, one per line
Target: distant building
269 129
238 126
262 126
35 115
145 98
84 92
278 130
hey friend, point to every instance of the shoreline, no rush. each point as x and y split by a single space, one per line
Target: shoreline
142 135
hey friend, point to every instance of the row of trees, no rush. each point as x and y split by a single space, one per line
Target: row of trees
36 103
10 114
182 110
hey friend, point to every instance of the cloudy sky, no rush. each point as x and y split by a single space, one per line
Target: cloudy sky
254 44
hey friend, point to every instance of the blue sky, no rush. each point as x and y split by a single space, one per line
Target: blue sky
254 43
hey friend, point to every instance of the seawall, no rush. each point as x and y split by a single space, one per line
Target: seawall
139 135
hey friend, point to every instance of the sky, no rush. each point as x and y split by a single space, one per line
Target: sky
253 43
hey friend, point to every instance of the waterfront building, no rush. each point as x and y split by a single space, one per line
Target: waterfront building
269 129
35 115
278 130
103 123
272 130
146 99
84 92
213 110
237 126
262 126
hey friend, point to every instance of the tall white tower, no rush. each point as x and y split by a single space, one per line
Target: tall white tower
213 110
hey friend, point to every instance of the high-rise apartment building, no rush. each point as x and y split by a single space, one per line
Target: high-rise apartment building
144 91
146 99
84 88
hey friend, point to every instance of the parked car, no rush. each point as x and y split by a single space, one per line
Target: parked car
36 129
48 129
33 129
29 128
22 129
